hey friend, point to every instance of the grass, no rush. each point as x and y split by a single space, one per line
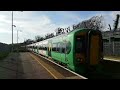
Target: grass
112 57
3 55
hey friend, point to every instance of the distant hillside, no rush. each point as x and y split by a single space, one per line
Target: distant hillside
4 47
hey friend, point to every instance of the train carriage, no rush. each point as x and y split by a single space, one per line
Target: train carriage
78 49
39 47
44 47
35 47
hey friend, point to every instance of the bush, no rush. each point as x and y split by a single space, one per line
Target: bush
3 55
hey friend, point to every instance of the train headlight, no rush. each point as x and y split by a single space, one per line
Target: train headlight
80 60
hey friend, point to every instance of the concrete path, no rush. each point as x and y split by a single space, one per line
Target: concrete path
22 66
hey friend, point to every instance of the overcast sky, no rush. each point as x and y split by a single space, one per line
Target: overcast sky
34 23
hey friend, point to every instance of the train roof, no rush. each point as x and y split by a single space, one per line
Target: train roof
71 32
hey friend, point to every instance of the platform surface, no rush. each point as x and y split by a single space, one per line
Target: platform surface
22 66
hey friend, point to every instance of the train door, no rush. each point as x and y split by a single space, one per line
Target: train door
94 48
80 48
63 52
49 49
58 54
38 48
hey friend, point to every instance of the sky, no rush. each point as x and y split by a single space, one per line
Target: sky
33 23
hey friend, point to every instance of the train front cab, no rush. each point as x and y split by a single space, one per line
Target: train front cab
88 50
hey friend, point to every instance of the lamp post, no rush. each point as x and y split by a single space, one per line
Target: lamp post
12 30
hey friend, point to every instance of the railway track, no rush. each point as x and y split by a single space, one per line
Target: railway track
110 69
64 73
116 60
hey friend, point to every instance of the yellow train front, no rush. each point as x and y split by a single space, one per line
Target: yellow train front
88 50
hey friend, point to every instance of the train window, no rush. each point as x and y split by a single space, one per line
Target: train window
46 47
54 47
43 47
80 44
39 47
68 47
63 46
58 47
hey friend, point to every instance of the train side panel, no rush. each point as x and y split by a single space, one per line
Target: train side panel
56 50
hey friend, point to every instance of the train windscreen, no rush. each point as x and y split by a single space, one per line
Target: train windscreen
80 44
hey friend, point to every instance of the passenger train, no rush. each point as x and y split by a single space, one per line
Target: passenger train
79 50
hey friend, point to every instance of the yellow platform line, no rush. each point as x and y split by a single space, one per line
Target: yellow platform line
43 66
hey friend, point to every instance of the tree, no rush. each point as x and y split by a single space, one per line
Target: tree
28 41
116 22
96 23
38 38
49 35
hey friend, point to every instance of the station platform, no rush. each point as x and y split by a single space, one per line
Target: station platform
22 66
26 65
112 58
